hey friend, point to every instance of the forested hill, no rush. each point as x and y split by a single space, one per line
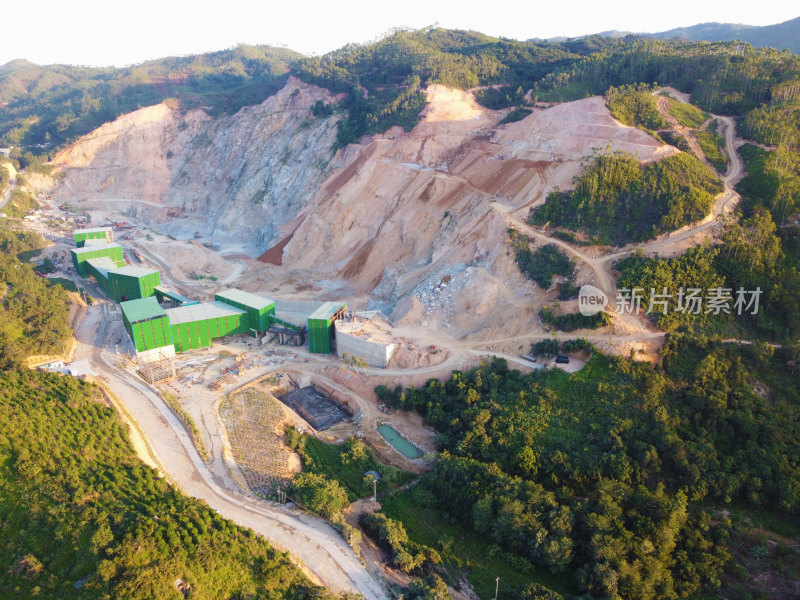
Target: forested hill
57 103
780 36
383 80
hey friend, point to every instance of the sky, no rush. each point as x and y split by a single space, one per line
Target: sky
104 33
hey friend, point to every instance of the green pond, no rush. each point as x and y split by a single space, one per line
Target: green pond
405 448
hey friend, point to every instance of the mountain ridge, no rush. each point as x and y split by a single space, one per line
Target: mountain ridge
784 35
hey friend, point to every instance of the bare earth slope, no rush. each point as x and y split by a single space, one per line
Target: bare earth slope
406 210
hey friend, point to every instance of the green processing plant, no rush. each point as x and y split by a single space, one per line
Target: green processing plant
84 237
182 324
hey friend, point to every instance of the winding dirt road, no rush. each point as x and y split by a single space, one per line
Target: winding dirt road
665 244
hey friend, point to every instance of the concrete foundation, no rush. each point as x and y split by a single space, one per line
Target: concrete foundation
319 411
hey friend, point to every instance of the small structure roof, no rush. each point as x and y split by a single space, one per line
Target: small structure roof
94 242
103 264
94 247
199 312
246 298
92 230
143 309
326 311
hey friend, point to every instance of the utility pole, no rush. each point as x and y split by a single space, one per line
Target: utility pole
496 588
374 490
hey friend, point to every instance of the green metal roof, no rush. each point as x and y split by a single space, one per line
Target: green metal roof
142 310
103 264
95 242
92 230
326 311
246 298
94 248
131 271
200 312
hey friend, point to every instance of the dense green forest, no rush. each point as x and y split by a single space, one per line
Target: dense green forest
384 79
543 263
54 104
33 312
617 200
609 474
722 77
82 517
635 106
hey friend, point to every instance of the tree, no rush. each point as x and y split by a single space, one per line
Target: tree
320 495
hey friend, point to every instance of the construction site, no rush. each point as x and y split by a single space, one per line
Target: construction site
161 323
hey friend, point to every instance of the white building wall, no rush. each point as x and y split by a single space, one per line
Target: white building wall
375 353
156 354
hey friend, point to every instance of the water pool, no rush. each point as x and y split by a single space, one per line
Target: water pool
400 444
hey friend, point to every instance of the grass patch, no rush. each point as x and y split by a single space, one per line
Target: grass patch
712 146
573 321
187 419
687 114
743 515
346 463
515 115
462 549
541 264
67 284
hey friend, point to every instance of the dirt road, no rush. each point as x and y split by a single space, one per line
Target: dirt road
7 194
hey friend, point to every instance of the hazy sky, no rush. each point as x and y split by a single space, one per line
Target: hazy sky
91 32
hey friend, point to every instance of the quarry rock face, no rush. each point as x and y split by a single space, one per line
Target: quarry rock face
237 177
404 210
399 216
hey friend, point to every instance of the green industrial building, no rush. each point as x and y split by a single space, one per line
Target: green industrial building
196 325
321 332
122 283
159 333
260 311
81 255
103 234
99 268
148 327
132 283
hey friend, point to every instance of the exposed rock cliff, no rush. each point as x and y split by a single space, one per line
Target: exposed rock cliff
407 210
238 177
